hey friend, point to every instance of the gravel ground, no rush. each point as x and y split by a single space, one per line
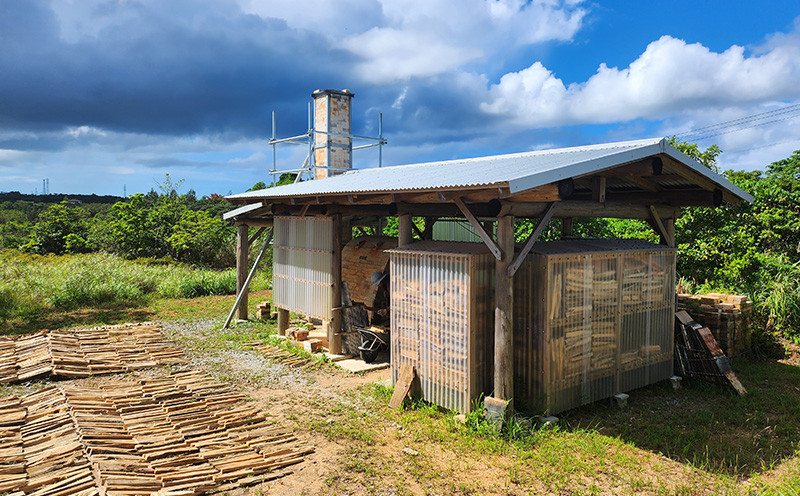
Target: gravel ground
230 360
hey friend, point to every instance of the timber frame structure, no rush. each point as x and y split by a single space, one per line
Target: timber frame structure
645 179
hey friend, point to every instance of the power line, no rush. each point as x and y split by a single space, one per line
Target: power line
747 122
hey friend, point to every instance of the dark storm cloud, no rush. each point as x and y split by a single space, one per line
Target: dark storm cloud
172 68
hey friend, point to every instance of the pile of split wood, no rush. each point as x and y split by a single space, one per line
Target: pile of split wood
178 434
725 315
85 352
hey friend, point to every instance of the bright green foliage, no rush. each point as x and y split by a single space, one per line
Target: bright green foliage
749 248
166 226
62 228
201 238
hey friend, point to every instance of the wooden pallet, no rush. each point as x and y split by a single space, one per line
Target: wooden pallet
179 434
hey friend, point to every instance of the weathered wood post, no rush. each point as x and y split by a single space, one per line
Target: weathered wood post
283 321
242 262
335 326
404 230
504 312
669 225
566 227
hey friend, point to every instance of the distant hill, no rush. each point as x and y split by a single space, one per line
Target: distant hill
13 196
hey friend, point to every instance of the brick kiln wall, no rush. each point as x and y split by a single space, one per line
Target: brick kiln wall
360 258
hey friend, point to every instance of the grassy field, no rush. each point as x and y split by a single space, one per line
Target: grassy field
700 439
54 291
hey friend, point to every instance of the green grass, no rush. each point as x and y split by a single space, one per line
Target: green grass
33 287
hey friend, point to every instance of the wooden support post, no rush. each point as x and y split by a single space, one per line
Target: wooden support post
599 189
335 327
566 227
242 266
503 312
283 321
669 226
404 230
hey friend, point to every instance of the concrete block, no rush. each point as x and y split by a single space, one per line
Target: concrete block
675 380
495 411
621 399
551 420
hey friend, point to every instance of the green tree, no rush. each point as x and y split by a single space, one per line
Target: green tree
62 228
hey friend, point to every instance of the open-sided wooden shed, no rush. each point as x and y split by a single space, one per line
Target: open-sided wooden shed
645 179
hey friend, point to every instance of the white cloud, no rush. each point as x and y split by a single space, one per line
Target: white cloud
396 40
670 77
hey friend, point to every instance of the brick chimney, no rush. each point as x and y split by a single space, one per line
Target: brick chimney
332 115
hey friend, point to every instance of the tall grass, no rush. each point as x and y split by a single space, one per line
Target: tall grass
33 282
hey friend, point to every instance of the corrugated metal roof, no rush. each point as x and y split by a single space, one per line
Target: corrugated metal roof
519 172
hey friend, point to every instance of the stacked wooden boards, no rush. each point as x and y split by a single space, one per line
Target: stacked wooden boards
592 318
85 352
177 434
441 320
725 315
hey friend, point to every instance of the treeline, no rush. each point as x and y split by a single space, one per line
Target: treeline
161 224
14 196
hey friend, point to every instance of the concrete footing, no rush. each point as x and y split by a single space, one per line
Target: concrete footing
675 380
621 399
495 411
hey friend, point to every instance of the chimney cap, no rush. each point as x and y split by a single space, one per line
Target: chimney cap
345 92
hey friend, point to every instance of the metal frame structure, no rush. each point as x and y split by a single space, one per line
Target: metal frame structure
308 139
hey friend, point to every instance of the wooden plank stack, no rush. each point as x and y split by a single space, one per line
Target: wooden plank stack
592 318
727 317
85 352
178 434
441 319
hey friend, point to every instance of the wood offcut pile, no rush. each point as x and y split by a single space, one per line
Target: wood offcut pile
178 434
85 352
725 315
282 356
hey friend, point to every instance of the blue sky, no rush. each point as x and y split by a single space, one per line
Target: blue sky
97 94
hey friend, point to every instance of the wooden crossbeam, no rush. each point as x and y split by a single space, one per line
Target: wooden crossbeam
486 237
515 265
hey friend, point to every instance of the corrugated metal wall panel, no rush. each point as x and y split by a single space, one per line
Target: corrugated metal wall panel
301 273
439 324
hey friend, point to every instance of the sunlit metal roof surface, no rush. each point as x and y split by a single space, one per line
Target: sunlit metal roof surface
519 172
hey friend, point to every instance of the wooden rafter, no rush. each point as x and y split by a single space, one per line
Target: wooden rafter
486 237
520 257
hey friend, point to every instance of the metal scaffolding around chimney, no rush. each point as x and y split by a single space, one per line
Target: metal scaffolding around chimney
307 139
